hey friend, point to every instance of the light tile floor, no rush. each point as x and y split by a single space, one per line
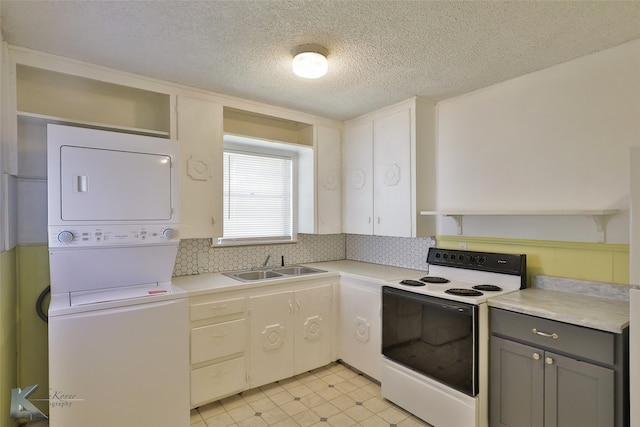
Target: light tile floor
330 396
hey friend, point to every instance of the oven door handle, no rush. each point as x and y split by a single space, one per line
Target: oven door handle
435 302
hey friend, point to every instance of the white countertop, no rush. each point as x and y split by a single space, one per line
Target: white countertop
583 310
199 284
589 311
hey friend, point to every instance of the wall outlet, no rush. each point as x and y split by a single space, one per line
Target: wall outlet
462 246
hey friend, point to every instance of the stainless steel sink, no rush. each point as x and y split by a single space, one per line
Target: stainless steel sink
253 275
256 275
297 270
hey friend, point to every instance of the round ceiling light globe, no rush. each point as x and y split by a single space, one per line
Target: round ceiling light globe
310 65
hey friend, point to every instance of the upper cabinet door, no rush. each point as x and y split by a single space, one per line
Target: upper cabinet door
329 164
392 175
357 200
200 131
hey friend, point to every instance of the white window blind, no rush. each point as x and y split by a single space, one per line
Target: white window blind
257 196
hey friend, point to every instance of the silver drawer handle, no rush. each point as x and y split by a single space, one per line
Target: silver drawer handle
545 334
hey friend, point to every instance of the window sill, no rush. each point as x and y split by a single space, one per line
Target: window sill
250 242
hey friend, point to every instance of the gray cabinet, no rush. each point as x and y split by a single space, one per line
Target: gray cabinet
545 373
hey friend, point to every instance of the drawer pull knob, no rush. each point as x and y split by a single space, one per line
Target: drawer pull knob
536 356
219 373
545 334
548 361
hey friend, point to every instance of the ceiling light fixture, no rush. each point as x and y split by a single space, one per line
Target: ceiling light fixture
310 61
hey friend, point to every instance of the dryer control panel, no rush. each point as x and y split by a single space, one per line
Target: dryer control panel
112 235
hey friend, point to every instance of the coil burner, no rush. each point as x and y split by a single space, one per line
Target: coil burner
488 288
434 279
410 282
464 292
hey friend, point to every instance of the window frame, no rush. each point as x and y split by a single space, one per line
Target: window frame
265 148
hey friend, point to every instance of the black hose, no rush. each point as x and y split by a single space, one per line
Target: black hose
41 297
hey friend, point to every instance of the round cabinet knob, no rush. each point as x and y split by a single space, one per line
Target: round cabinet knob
548 361
536 356
169 233
65 237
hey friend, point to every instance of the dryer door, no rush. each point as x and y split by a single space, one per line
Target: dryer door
111 185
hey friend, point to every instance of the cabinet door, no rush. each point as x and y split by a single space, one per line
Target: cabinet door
516 385
200 137
577 394
271 349
329 202
357 199
392 200
313 328
361 329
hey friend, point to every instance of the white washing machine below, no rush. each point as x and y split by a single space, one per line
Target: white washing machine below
119 357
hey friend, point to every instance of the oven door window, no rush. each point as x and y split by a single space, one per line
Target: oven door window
432 336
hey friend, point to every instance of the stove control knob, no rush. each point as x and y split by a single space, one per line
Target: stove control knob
169 233
65 237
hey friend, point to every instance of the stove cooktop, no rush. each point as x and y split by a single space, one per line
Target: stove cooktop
468 276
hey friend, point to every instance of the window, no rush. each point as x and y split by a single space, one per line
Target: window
258 194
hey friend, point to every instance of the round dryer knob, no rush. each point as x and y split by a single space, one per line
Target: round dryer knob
169 233
65 237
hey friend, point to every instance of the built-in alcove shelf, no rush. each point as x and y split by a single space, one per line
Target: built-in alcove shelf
600 217
43 119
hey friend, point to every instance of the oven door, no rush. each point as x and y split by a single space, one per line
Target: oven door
433 336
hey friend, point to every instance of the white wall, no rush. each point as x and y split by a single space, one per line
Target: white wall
557 139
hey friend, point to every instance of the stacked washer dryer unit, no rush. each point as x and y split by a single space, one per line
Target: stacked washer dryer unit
118 328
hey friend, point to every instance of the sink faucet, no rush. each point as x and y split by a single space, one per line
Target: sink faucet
266 260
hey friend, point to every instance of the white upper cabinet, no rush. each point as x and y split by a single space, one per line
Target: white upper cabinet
329 181
392 201
200 137
389 170
357 161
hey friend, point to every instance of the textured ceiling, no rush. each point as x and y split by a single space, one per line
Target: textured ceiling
380 52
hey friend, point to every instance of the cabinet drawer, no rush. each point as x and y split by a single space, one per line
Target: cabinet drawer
213 309
583 343
216 381
214 341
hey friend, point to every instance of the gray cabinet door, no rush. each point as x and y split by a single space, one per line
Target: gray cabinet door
516 385
577 394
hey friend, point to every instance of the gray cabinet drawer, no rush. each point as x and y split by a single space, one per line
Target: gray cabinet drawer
584 343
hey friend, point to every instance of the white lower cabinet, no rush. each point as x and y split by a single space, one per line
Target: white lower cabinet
291 332
215 381
361 326
218 344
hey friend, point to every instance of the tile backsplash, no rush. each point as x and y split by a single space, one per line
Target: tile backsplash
404 252
197 256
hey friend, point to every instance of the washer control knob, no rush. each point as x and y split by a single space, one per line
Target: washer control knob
169 233
65 237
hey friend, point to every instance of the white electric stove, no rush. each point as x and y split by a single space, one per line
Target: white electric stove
435 338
